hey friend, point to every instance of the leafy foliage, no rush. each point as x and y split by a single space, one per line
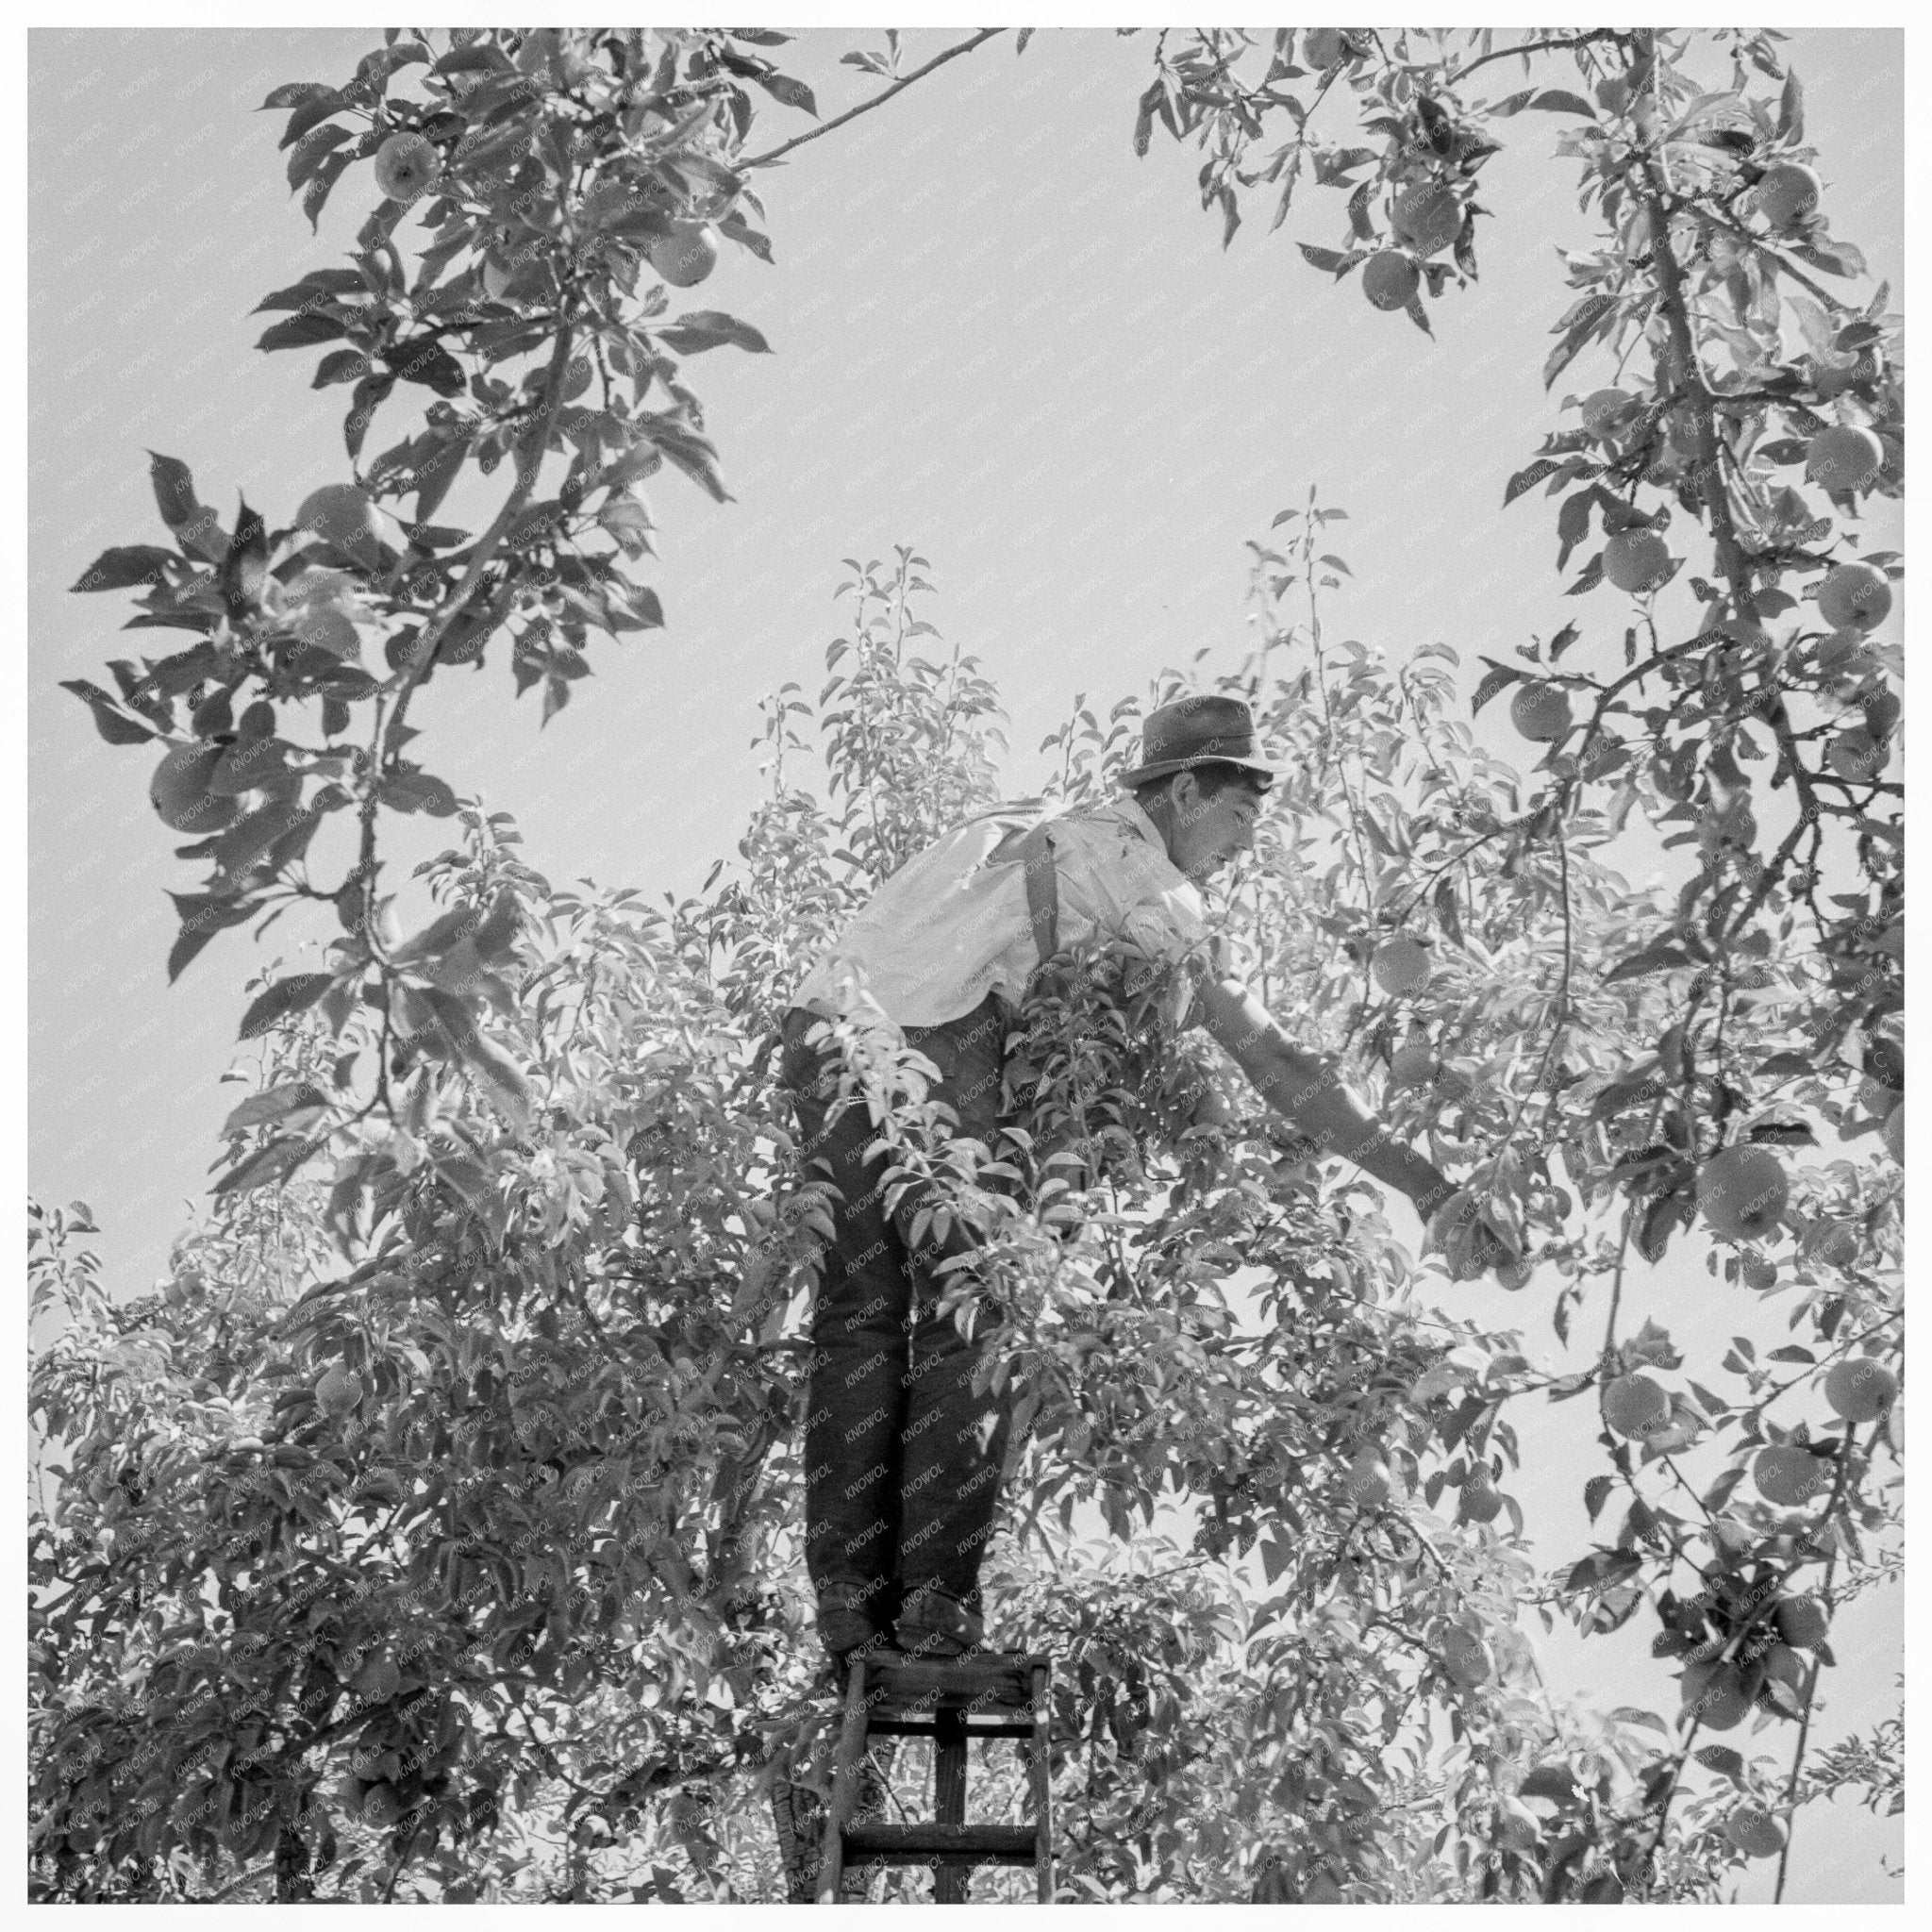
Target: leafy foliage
434 1532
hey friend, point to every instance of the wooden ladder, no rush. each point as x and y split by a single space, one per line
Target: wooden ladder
950 1700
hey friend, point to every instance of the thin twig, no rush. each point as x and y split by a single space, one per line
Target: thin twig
878 100
1528 47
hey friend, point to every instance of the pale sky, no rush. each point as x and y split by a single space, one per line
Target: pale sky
999 338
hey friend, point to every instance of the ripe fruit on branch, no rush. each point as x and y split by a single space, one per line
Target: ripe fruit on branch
1401 966
1790 1477
1428 218
1754 1832
1788 195
383 1806
1636 561
1411 1065
686 254
407 166
1832 1241
1801 1622
339 1390
378 1680
1714 1692
1758 1271
1636 1405
179 791
1843 458
344 517
1742 1191
1540 711
1323 47
1367 1485
1853 596
1602 407
1860 1389
1390 280
1482 1501
1465 1658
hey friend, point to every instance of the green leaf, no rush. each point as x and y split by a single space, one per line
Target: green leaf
286 996
304 331
1631 1714
1657 958
127 565
116 726
292 94
278 1103
1529 478
789 93
265 1166
310 151
203 915
1556 101
1596 1493
1721 1759
1498 677
712 328
409 789
1326 259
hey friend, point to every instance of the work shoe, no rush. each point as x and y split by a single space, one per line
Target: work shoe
846 1620
935 1624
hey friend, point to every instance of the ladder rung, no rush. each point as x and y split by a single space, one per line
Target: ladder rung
908 1727
990 1681
908 1844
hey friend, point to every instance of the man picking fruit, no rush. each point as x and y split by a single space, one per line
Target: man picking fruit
903 1457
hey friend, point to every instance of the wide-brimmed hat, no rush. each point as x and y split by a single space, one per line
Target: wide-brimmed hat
1204 730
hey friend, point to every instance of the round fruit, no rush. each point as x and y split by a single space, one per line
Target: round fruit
339 1390
1860 1389
1788 195
1742 1191
686 254
378 1680
1482 1501
1428 218
1636 1405
1390 280
1322 1891
179 791
1801 1622
1790 1477
1601 409
383 1806
1754 1832
1367 1484
1716 1695
1323 47
1515 1274
1466 1657
407 166
1401 966
341 515
1411 1065
1833 1240
1540 711
1636 561
1843 458
1758 1271
1613 94
1894 1134
1853 596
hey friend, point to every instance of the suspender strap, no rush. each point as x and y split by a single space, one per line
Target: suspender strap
1042 890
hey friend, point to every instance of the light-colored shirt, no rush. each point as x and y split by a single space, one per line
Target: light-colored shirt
949 928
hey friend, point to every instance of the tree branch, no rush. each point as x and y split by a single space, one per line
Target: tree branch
878 100
1528 47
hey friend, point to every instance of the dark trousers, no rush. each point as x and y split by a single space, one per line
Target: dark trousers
903 1458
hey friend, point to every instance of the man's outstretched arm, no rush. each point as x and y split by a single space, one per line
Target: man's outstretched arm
1307 1091
1304 1088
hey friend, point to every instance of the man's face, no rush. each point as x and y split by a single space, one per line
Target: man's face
1203 834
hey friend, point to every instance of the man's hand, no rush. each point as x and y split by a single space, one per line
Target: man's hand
1471 1239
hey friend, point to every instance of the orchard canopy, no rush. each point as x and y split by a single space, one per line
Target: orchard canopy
432 1533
